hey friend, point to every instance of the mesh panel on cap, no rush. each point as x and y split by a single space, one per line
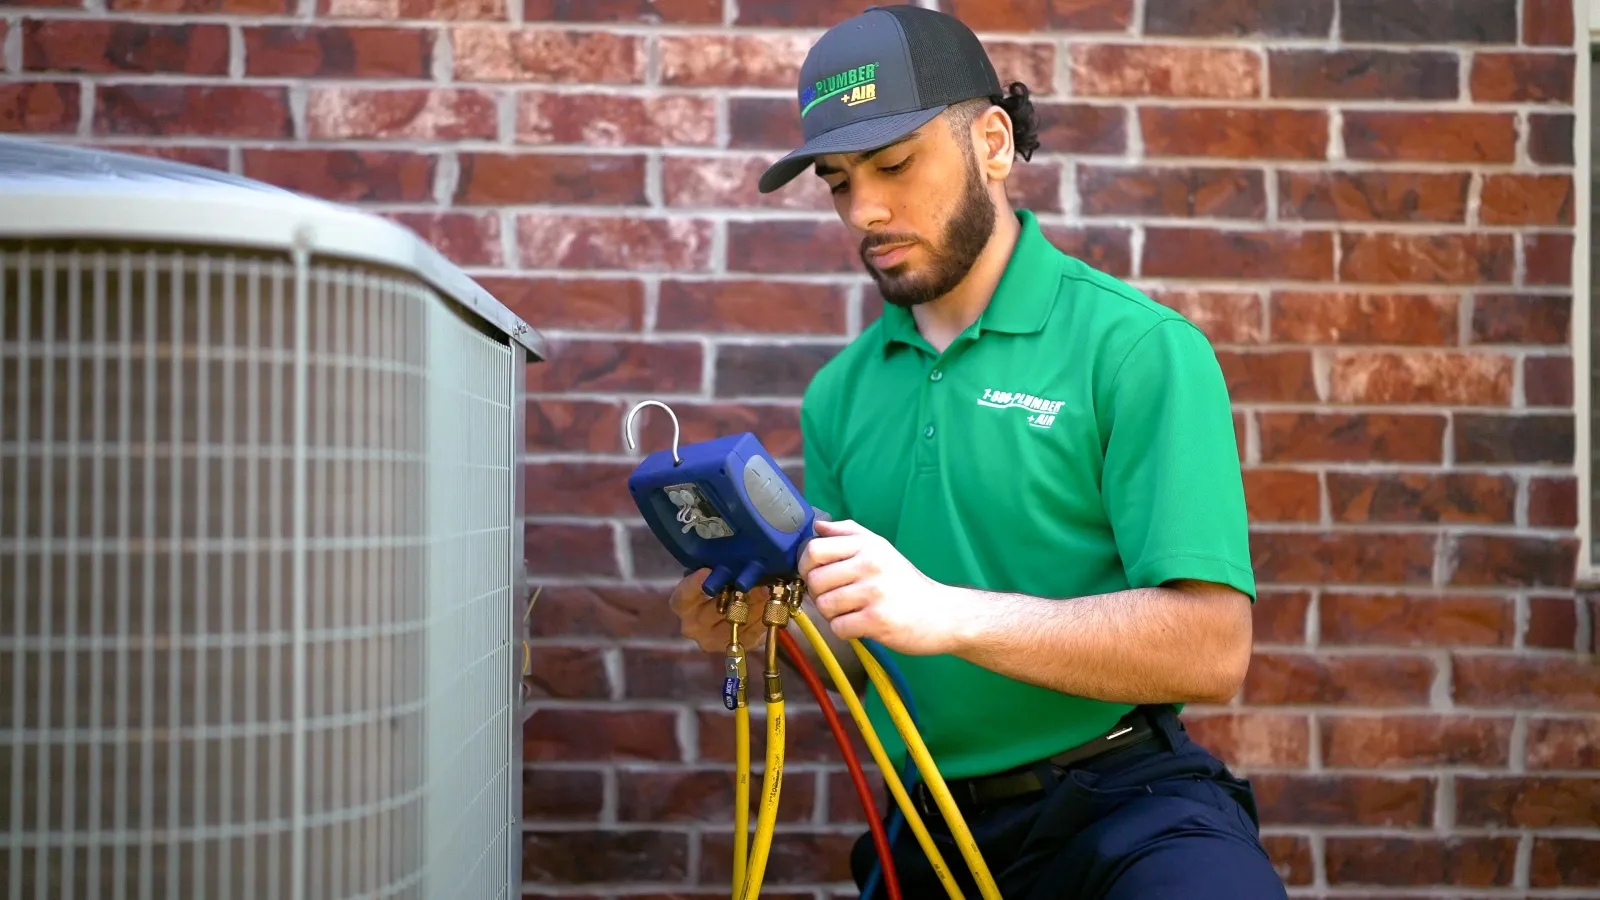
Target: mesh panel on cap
932 39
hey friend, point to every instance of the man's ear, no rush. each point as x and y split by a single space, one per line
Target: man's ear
996 142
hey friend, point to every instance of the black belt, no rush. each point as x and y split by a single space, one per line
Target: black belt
979 791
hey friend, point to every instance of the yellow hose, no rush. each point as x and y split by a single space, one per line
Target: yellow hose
749 887
879 755
741 791
930 773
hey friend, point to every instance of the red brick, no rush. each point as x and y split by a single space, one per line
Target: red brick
605 120
808 739
389 10
769 370
1553 502
612 242
663 674
577 304
815 14
751 307
1399 741
1253 738
1282 495
1565 862
81 45
800 246
1373 196
1421 377
1237 18
650 559
1300 678
1280 617
1279 375
1521 319
1110 250
804 858
1345 318
1225 317
1376 558
1408 861
1235 132
1514 439
1416 21
1239 255
301 51
567 673
1291 858
1344 800
1493 560
419 114
514 179
547 56
578 489
212 111
778 424
604 856
675 12
1364 74
730 182
1416 497
39 107
209 157
1557 683
844 804
1081 128
1031 62
1547 22
1547 380
616 366
570 426
1564 743
762 123
1550 138
554 549
346 176
466 239
1036 186
1473 258
733 60
1522 77
600 735
1128 70
1552 623
706 795
1527 200
603 611
235 7
1397 620
1180 192
1351 437
550 795
1547 259
1042 15
1528 802
1430 136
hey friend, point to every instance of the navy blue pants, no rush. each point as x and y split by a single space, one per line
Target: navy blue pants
1160 819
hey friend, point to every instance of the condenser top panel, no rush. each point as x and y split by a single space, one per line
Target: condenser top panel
50 190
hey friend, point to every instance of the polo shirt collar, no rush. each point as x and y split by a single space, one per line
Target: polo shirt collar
1022 300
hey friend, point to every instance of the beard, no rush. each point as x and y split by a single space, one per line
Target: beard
965 236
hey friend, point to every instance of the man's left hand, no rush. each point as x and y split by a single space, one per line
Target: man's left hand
866 588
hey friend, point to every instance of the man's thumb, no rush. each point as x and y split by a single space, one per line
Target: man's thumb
836 527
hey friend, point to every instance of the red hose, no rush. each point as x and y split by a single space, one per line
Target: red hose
863 791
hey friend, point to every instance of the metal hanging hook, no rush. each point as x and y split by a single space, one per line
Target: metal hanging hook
627 427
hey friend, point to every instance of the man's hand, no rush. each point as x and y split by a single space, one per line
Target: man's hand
700 622
866 588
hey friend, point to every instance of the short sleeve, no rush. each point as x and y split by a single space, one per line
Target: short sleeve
1172 485
820 479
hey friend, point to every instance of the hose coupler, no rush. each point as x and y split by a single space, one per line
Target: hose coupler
773 677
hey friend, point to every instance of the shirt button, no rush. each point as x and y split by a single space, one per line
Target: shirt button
937 374
928 432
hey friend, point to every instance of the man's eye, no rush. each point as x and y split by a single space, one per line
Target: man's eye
897 167
837 188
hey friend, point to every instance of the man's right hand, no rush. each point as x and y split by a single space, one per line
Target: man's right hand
701 623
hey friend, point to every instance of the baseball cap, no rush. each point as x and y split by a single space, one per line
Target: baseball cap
875 78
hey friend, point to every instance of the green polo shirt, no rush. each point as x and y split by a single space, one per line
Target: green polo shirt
1076 440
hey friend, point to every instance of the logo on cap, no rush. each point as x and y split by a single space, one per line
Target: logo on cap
853 87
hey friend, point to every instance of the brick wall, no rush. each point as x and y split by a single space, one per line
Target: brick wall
1367 204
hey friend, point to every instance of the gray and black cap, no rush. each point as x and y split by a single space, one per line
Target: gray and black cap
873 79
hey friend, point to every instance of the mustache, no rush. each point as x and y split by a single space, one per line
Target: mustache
882 239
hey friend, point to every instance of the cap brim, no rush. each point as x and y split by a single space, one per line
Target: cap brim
856 137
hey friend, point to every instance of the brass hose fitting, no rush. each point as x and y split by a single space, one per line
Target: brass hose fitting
736 611
774 678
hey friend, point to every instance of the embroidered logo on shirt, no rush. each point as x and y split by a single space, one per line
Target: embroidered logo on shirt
1042 412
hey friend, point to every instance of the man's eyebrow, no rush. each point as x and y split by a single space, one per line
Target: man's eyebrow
824 169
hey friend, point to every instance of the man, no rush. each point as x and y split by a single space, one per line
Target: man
1036 487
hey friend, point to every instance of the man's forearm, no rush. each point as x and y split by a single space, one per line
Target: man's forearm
1148 645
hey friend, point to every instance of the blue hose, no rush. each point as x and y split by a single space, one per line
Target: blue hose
897 818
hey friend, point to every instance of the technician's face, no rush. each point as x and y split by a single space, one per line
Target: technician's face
921 208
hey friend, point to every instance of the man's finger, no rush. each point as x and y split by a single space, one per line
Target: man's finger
842 601
840 527
824 550
822 579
